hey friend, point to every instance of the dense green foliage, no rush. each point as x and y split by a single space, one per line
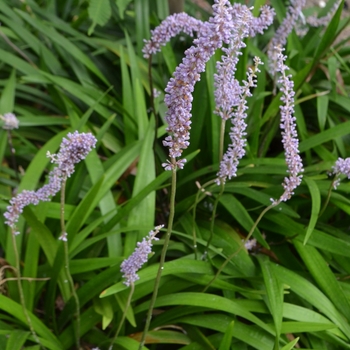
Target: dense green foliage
65 66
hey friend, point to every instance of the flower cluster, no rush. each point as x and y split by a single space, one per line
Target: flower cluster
228 25
227 89
289 134
280 37
250 244
257 24
342 166
313 21
73 149
261 23
212 35
169 28
10 121
131 265
229 162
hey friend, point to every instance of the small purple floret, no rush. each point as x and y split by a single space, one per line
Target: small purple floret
10 121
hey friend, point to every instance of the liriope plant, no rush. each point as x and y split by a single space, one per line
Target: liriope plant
226 270
230 101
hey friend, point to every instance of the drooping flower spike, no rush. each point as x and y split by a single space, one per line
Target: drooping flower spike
280 38
179 90
73 149
313 21
219 30
257 25
169 28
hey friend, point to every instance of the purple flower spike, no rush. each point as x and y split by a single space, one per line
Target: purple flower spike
228 25
236 151
313 21
261 23
179 90
286 27
134 262
258 24
73 149
169 28
227 89
289 134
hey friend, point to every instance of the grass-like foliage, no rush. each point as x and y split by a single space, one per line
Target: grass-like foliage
174 182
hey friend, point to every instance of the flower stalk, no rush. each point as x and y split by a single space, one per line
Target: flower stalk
162 257
64 237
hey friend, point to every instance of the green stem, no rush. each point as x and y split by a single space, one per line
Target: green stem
132 288
13 151
21 293
222 186
216 202
328 196
153 108
66 266
222 139
194 234
241 247
201 190
163 254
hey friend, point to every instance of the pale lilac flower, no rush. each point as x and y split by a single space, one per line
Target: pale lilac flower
212 35
342 166
289 134
280 38
10 121
313 21
230 160
131 265
250 244
220 29
72 150
302 26
169 28
156 93
63 237
261 23
227 89
257 24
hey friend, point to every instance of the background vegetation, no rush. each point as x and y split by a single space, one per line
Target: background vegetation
66 66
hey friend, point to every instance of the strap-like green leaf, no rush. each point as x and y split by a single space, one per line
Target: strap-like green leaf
315 206
227 339
14 309
274 291
99 12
